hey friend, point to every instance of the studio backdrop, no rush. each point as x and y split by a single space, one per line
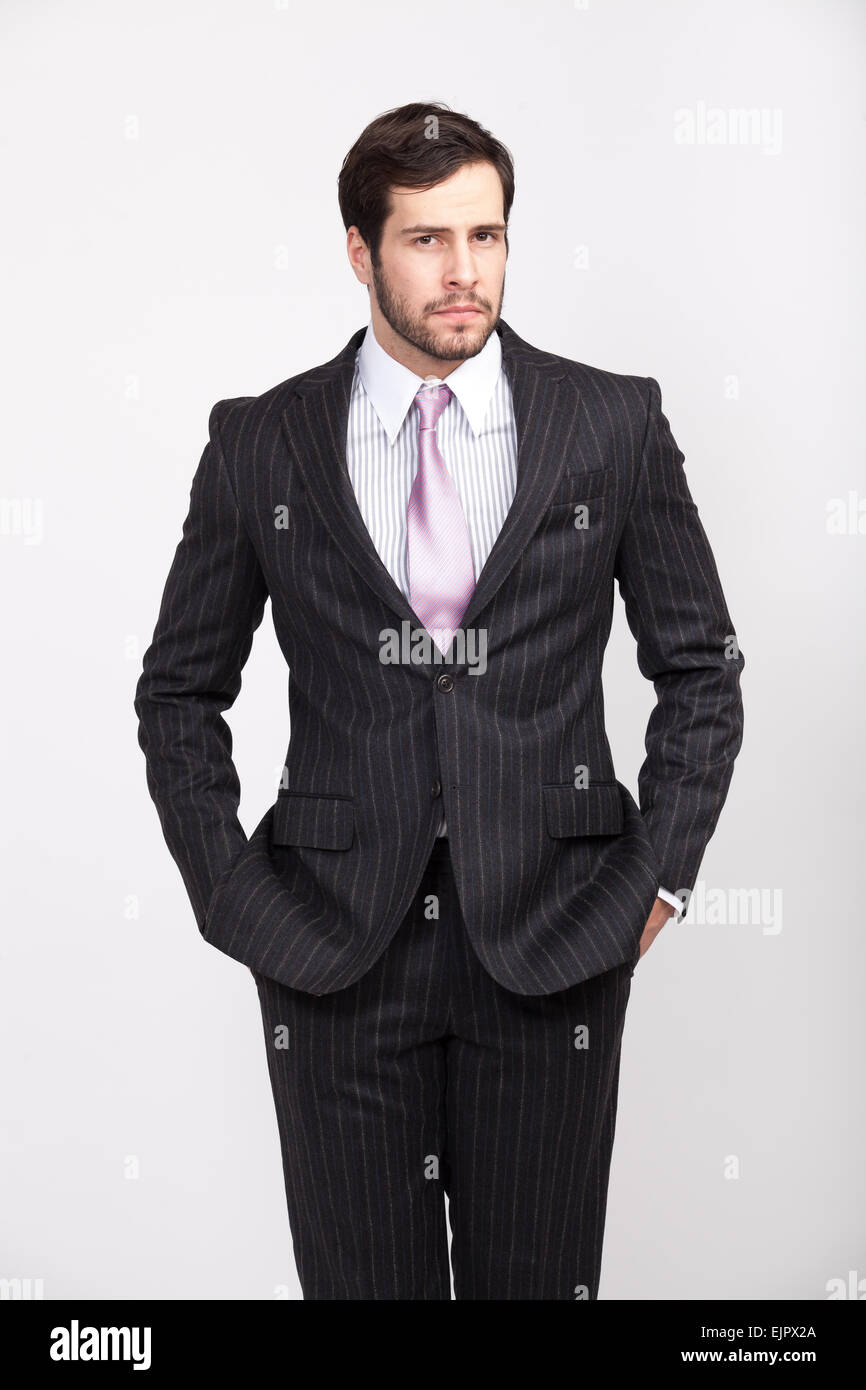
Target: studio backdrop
689 206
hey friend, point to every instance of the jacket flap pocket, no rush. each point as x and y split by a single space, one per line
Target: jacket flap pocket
592 810
321 822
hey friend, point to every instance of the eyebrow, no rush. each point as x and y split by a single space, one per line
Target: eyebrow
429 231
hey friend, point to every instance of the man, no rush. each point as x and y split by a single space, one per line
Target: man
444 906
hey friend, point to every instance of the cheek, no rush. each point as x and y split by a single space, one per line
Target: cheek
416 284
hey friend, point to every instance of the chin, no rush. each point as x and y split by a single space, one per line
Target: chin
460 332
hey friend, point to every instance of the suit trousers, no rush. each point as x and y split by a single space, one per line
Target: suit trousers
427 1078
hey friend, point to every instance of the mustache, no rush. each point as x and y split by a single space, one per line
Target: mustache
459 303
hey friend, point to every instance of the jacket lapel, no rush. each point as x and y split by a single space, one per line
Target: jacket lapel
316 421
546 408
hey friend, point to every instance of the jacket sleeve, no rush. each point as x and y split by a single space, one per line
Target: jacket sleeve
212 603
687 647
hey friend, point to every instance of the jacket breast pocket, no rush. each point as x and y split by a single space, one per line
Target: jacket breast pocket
585 515
593 810
575 488
316 821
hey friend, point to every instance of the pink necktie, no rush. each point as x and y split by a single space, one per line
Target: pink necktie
441 573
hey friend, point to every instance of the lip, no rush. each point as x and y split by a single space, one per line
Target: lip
457 313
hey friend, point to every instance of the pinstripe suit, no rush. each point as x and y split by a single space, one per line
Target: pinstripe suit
551 868
477 436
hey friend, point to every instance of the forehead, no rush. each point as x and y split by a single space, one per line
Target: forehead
471 194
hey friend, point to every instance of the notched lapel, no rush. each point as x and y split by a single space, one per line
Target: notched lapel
546 411
315 425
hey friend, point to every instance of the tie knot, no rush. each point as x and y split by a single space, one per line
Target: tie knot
431 401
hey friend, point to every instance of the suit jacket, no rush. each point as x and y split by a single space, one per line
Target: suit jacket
556 869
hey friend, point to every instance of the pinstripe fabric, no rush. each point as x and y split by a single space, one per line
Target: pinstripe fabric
555 880
480 441
426 1077
480 452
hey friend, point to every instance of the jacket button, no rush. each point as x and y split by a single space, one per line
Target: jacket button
436 787
445 682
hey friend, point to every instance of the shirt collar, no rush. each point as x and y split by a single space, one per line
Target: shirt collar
392 388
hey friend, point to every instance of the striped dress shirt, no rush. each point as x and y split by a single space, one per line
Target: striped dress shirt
477 438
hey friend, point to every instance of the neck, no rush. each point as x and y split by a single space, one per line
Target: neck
409 356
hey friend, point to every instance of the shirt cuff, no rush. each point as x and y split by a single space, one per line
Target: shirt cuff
671 898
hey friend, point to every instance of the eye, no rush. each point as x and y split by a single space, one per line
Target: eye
428 237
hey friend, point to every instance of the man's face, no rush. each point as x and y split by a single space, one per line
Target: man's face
440 248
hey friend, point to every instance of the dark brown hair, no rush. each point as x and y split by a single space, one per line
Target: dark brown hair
395 150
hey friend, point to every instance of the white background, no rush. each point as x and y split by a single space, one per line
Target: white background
171 238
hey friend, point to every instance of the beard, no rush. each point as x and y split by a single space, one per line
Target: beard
464 340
